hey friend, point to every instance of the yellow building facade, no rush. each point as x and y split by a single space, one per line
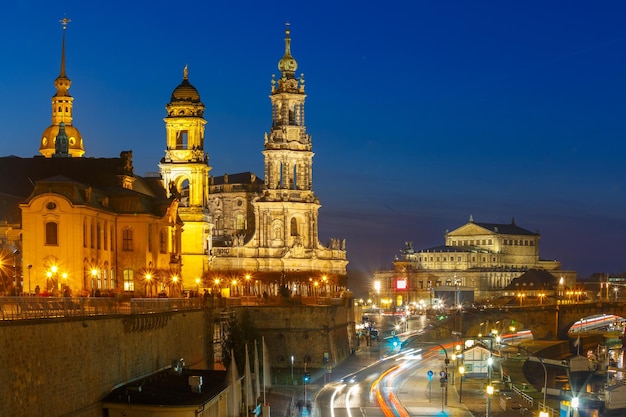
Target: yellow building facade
482 256
91 226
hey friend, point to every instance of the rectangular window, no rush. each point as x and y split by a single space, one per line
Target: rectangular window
52 233
98 235
84 235
129 280
162 242
127 240
149 238
105 237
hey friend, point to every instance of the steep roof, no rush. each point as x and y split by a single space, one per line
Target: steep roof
505 229
533 279
87 181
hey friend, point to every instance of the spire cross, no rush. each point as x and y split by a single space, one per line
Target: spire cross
64 22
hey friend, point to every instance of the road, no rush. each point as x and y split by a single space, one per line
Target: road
397 385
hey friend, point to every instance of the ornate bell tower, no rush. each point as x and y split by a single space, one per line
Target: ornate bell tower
185 174
62 103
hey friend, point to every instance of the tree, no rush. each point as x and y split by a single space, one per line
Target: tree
241 330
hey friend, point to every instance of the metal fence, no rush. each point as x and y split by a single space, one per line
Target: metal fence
24 308
29 307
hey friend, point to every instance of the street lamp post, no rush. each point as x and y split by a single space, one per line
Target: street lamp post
94 272
175 285
489 392
147 283
545 382
29 268
461 372
453 358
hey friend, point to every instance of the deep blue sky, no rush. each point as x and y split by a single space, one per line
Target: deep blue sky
421 112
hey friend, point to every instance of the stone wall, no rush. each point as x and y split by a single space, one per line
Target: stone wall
306 332
63 367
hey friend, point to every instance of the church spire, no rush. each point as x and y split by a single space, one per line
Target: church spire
288 149
287 64
62 103
63 83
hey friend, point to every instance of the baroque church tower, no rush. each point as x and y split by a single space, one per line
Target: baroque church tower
281 230
185 173
62 116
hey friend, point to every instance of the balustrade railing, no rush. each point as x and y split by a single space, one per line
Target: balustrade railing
26 307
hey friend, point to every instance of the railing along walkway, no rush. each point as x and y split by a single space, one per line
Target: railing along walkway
28 307
25 308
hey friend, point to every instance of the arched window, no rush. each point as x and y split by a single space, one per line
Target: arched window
127 240
52 233
93 234
294 227
105 236
240 222
149 238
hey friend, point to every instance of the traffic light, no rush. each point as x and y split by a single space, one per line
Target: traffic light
307 377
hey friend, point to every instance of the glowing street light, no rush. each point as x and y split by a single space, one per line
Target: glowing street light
148 278
489 393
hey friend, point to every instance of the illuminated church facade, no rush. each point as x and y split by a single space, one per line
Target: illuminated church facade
96 226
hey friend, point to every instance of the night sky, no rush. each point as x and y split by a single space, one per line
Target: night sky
422 113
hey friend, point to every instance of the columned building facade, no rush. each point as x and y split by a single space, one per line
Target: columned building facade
482 256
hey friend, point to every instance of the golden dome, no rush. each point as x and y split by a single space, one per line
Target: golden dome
185 91
75 141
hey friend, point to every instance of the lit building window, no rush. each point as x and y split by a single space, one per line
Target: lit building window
129 280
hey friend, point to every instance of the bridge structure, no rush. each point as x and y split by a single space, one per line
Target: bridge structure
545 321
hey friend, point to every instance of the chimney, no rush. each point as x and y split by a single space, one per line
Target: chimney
195 382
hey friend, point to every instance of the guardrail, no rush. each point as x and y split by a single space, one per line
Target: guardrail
25 308
28 307
523 396
551 411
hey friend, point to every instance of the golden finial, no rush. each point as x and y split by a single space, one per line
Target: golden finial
185 72
64 22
